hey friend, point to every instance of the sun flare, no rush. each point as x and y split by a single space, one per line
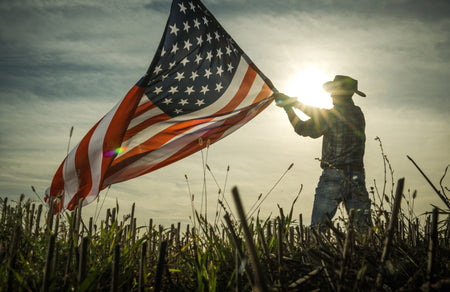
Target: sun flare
306 85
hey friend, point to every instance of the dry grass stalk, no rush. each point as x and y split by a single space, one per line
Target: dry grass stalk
391 230
260 282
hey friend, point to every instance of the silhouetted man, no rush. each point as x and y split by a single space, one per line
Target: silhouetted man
342 128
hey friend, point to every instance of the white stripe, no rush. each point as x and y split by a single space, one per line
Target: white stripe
70 177
180 141
155 157
144 99
243 121
167 150
145 116
95 152
151 131
225 98
253 92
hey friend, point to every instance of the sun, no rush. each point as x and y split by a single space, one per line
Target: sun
306 85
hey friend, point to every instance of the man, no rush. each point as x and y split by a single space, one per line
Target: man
342 128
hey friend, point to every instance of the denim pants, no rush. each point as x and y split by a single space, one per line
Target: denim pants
336 186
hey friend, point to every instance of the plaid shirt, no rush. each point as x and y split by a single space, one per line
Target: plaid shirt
342 128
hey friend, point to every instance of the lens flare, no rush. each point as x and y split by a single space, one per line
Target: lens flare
307 86
115 151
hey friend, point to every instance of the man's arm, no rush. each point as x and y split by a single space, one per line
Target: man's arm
282 100
310 128
313 127
293 118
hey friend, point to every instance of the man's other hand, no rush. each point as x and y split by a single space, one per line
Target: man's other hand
282 100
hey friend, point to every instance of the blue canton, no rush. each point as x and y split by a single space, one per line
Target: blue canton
195 62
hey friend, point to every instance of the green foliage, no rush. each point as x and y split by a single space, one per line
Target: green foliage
213 257
204 257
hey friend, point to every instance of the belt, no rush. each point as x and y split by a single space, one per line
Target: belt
346 167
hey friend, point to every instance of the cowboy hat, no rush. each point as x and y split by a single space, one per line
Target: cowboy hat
343 85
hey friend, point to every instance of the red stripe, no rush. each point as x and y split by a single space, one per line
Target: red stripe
163 137
58 184
242 93
160 139
143 108
166 135
263 93
83 170
145 124
119 124
112 140
57 188
212 135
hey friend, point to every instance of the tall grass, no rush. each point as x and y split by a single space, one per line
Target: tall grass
240 252
67 253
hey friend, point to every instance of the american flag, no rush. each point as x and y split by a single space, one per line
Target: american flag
200 86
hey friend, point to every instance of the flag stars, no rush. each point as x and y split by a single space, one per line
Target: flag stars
209 56
157 69
174 48
200 102
208 37
196 23
219 87
219 70
230 67
199 40
158 90
207 73
189 90
186 26
228 50
173 89
182 7
219 53
185 61
173 29
194 61
205 89
198 59
193 75
167 101
183 102
180 75
187 45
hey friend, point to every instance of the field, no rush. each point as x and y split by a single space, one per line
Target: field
42 251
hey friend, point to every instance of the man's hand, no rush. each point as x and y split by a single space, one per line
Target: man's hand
282 100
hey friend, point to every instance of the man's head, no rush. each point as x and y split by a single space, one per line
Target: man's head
342 86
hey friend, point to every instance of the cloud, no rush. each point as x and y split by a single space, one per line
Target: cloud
400 9
66 63
81 49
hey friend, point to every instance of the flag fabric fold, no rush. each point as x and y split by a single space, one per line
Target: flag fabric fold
200 86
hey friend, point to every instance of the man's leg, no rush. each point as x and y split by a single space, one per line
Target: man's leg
358 199
328 196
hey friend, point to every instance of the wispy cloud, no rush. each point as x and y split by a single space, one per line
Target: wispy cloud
66 63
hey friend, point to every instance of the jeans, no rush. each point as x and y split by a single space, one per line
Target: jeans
336 186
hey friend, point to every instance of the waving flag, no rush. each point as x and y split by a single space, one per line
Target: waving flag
199 86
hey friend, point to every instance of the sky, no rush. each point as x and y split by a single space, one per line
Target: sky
66 63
